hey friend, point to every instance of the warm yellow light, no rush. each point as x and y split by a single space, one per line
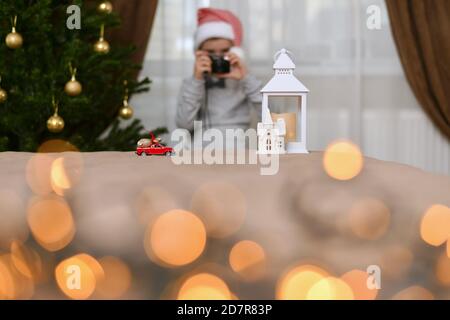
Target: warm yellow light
7 287
56 146
296 283
343 160
76 279
13 285
38 174
248 259
93 264
443 270
330 289
58 174
357 280
369 219
176 238
221 206
435 226
117 278
204 286
414 293
26 261
51 222
66 172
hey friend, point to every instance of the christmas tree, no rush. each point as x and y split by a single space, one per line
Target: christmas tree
60 82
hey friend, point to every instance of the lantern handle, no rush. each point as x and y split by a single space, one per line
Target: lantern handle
279 53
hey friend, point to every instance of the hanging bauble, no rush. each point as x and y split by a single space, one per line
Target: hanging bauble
3 96
105 7
102 46
3 93
55 123
14 39
73 87
126 111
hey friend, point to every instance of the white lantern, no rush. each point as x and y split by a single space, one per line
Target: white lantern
286 131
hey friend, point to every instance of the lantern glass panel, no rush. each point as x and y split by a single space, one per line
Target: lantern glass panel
287 108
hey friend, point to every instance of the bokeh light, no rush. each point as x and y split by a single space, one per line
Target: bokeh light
38 174
204 286
330 288
343 160
56 146
13 220
176 238
93 265
117 278
357 280
369 219
7 288
13 285
26 260
76 278
297 282
435 225
248 259
443 270
51 222
414 293
66 172
221 206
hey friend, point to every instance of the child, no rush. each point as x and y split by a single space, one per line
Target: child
221 101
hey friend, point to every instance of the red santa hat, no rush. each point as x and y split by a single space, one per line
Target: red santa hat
217 23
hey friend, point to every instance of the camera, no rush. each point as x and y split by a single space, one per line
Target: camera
220 65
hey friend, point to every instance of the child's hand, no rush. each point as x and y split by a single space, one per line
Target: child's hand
202 64
238 68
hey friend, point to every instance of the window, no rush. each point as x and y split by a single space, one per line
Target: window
345 66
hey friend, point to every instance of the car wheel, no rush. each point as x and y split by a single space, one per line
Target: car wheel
168 154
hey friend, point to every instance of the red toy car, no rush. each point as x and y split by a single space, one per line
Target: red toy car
153 146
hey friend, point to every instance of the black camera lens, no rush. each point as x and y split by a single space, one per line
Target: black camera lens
220 65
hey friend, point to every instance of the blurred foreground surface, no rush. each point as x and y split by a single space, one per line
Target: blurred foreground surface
144 228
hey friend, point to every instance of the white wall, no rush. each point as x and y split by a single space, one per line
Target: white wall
358 89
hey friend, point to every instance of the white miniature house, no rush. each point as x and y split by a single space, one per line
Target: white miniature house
279 133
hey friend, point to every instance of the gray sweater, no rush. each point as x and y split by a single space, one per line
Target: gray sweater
228 107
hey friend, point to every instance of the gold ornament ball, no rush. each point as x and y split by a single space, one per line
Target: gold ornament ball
101 46
126 112
73 88
55 124
14 40
105 7
3 96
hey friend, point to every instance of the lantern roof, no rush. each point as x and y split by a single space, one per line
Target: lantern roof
284 80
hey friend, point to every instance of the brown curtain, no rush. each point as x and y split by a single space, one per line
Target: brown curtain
421 30
137 20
